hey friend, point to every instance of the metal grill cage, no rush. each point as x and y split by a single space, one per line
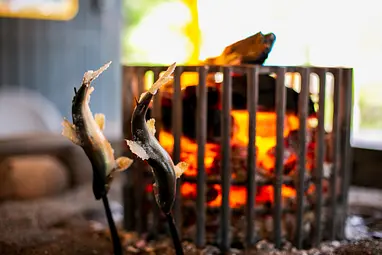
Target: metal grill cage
135 209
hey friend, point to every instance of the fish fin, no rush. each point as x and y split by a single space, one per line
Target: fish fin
91 75
69 131
108 147
137 149
151 126
180 168
123 163
90 91
166 77
100 120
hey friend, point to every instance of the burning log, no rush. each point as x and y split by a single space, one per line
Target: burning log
251 50
86 132
267 89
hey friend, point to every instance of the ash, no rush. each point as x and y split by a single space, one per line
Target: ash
263 226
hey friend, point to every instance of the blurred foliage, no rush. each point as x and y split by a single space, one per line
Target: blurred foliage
134 11
368 99
370 106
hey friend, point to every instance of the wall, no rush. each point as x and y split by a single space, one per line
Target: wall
367 165
51 57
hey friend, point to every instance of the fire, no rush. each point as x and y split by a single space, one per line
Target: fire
238 195
265 144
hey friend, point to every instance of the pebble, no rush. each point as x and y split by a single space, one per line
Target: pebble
336 244
210 250
235 252
314 251
264 245
287 246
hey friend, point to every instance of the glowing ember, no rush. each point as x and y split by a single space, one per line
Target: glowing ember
265 146
238 194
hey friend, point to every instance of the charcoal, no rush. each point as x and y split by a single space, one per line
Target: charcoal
267 91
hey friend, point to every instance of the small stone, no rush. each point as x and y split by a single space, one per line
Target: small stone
287 246
263 245
326 248
314 251
189 248
294 249
149 249
234 252
96 226
140 244
336 244
132 249
210 250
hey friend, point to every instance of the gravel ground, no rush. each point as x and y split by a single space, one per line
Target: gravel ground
71 240
60 225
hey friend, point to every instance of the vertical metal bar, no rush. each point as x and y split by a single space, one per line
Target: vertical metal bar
157 112
320 150
252 101
346 160
128 187
177 132
279 165
226 159
336 153
201 135
128 101
302 115
157 106
141 80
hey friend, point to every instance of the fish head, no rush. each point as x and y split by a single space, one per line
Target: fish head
81 95
143 104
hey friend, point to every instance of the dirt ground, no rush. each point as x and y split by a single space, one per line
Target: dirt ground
70 241
60 226
84 241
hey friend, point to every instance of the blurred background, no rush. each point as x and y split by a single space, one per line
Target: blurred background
47 45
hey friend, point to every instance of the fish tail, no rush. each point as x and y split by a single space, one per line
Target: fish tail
166 77
91 75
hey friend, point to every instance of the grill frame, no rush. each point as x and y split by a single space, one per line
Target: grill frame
133 86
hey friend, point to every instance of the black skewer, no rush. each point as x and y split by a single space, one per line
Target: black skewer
113 230
174 234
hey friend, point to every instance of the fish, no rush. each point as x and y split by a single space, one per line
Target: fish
86 131
145 145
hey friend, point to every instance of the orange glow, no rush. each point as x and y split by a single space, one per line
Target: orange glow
238 194
265 142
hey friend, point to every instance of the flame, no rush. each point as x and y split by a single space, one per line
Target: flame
265 144
238 194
